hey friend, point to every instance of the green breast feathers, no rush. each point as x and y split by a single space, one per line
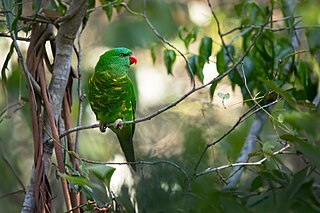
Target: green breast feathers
112 98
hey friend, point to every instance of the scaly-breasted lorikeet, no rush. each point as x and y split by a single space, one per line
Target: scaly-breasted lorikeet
112 97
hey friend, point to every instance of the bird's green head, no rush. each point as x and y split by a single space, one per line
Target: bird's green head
116 61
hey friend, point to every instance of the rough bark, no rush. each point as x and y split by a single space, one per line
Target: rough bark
53 98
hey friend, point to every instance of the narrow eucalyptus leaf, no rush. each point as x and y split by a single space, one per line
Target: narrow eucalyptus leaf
205 48
192 61
107 8
221 65
212 89
153 52
5 65
169 59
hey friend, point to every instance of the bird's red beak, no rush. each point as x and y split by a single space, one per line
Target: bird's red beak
133 59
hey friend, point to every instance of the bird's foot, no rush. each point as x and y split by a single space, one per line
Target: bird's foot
117 124
102 126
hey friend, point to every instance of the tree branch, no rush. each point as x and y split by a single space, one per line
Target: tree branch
61 71
213 169
79 89
247 148
165 108
139 162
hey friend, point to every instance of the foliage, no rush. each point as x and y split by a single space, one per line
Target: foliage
270 54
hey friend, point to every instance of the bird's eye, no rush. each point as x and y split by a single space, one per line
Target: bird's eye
121 55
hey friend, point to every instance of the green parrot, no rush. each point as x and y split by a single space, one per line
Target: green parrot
112 97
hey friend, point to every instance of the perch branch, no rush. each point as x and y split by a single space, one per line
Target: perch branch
139 162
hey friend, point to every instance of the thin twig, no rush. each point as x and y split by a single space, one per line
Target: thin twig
246 85
139 163
18 38
78 128
220 33
17 106
281 60
242 118
80 95
79 206
34 20
226 73
257 27
13 193
213 169
17 176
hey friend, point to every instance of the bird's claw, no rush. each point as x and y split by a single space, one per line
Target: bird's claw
117 124
102 127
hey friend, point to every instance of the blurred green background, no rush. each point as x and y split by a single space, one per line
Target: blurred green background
178 135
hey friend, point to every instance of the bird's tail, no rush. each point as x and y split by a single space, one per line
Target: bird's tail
125 136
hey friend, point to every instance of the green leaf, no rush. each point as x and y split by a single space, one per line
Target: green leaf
223 96
108 8
286 196
223 59
103 173
311 151
199 70
61 8
268 148
256 183
313 37
304 122
81 181
288 8
196 65
205 48
221 63
275 176
5 67
212 89
238 8
8 6
91 4
153 52
193 65
18 13
84 169
109 11
280 118
92 196
220 95
187 36
283 93
254 12
169 59
304 74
